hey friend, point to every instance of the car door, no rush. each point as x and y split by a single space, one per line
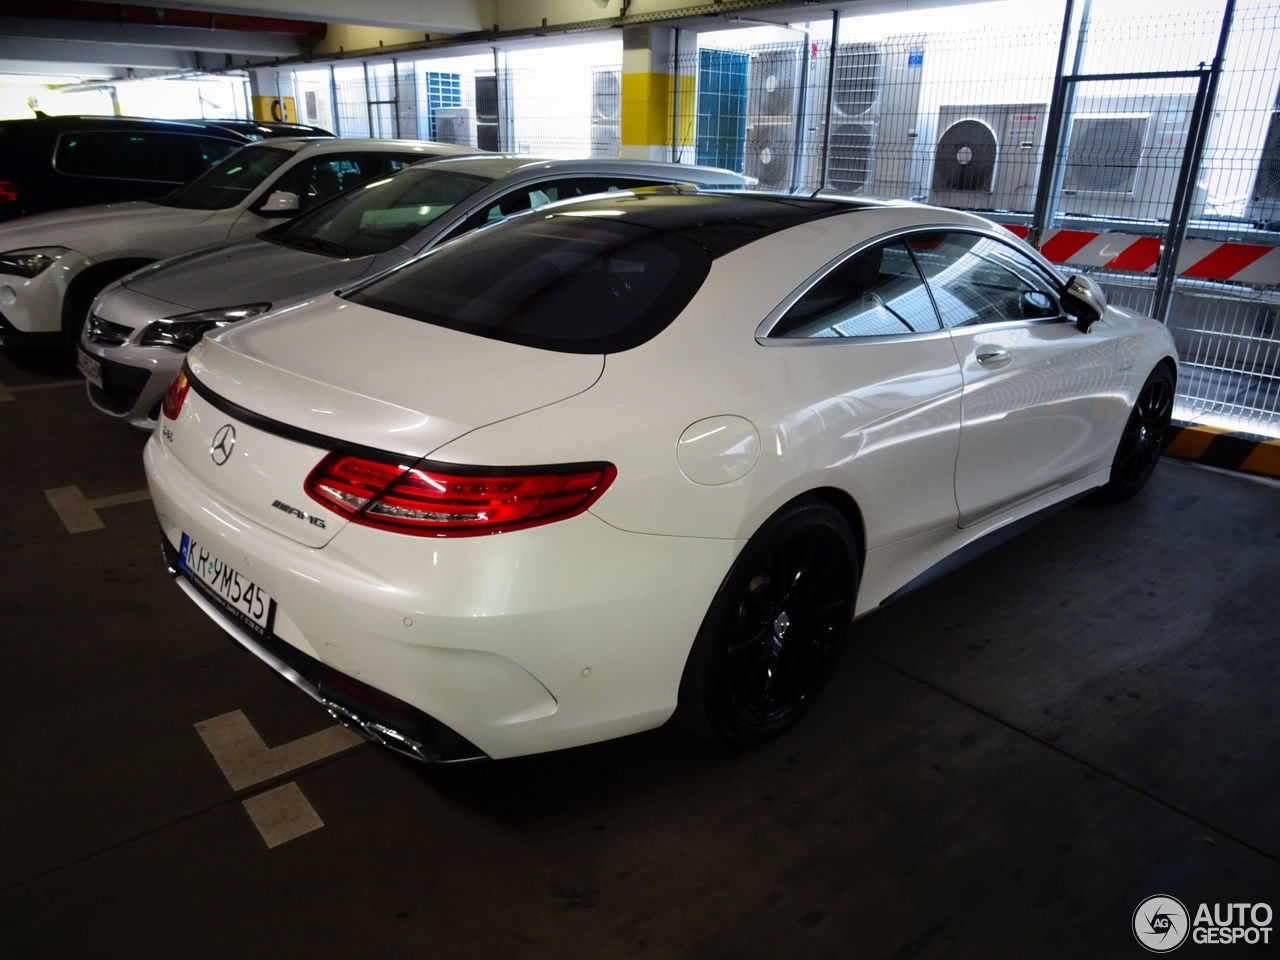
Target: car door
1039 395
879 386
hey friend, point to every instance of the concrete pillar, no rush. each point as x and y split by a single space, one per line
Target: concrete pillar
654 106
271 93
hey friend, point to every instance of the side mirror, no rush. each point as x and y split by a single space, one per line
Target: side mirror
282 201
1084 300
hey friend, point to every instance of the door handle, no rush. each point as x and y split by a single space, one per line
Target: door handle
993 356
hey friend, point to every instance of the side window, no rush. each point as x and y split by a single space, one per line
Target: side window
203 152
394 164
318 179
124 155
877 293
978 280
534 195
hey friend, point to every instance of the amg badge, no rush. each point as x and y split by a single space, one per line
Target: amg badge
314 521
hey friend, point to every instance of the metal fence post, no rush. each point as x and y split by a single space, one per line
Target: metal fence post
333 95
1052 134
831 89
1193 153
368 100
801 110
675 97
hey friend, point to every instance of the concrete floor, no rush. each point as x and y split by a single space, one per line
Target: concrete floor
1004 765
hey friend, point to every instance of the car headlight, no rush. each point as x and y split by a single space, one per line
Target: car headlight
30 262
185 330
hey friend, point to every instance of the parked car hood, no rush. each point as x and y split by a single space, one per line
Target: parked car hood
359 375
83 228
245 271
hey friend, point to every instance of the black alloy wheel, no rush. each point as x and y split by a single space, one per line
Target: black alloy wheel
771 638
1143 437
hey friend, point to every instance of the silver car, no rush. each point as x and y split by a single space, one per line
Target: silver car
140 328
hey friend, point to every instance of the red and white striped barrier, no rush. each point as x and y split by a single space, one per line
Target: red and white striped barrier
1198 259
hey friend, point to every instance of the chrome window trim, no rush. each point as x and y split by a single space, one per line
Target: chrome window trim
900 233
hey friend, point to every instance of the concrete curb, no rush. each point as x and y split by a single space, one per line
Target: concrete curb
1224 448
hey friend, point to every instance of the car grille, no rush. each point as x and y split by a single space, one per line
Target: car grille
121 387
104 331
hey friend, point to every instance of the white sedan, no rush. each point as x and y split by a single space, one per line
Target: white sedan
634 456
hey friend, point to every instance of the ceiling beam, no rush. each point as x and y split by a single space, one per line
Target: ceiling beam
79 34
434 16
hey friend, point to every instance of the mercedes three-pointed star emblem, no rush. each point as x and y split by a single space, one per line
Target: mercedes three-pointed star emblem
223 443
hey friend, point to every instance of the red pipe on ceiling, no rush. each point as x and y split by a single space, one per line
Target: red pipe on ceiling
82 10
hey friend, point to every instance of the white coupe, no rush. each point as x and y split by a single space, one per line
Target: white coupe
638 455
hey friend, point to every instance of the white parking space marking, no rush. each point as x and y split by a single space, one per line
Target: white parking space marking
282 814
79 515
6 393
245 759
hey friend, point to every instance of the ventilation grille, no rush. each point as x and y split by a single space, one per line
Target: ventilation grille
852 150
1103 154
858 79
773 86
966 158
606 96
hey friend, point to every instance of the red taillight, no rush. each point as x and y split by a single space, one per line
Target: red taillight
176 395
8 191
433 500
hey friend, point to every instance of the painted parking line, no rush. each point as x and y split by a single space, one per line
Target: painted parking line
79 515
281 813
6 393
245 759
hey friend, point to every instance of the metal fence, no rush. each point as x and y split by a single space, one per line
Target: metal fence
1140 147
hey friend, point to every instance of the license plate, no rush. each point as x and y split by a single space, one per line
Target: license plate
91 368
232 589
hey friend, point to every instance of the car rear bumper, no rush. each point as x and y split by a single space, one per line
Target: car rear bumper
382 718
528 641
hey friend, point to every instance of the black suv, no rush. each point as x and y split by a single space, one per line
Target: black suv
52 163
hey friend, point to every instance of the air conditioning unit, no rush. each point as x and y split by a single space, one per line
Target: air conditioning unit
1124 156
606 141
855 113
773 96
875 99
1264 199
606 113
986 155
453 125
769 152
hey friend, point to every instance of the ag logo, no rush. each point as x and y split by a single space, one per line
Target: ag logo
224 442
1161 923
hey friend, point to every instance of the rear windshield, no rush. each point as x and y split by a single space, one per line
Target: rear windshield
380 215
231 180
574 284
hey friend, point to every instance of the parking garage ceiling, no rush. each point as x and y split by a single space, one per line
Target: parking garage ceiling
91 38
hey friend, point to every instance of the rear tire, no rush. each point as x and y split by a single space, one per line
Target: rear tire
771 638
1143 438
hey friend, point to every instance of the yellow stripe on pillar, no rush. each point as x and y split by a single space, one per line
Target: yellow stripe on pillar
646 100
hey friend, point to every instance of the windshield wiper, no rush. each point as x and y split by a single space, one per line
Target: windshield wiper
310 243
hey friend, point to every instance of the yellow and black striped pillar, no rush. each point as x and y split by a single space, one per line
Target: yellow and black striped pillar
654 106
